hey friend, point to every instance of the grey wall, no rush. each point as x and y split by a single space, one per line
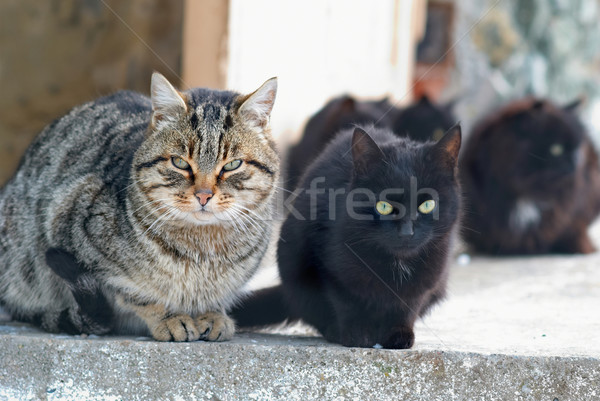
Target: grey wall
508 49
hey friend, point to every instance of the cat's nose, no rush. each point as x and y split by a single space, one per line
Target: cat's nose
204 196
406 229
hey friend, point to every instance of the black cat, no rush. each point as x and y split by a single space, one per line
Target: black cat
422 121
531 180
363 253
340 113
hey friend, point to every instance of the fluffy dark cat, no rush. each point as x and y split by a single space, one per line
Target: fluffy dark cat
363 252
141 215
531 181
422 121
340 113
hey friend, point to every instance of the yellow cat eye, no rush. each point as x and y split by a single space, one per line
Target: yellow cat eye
557 149
180 163
384 208
427 206
232 165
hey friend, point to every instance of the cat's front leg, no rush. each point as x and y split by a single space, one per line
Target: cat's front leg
575 243
355 327
215 326
367 334
401 338
163 325
355 335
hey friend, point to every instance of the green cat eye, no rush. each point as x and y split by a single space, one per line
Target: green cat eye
427 206
232 165
180 163
557 149
384 208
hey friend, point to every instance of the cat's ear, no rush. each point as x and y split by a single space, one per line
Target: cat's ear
167 102
424 101
538 104
573 107
256 107
340 109
446 149
385 101
346 105
365 152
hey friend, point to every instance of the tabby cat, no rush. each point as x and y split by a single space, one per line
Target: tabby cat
531 180
164 203
364 250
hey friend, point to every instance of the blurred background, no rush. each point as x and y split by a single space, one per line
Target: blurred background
56 54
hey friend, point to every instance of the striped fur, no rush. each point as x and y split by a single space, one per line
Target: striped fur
100 186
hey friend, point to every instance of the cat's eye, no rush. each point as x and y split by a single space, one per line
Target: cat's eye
180 163
384 208
557 149
427 206
232 165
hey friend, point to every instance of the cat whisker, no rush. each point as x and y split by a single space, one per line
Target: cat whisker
135 182
238 225
257 223
232 219
241 221
248 210
240 207
161 217
149 203
283 189
469 229
154 211
254 223
173 213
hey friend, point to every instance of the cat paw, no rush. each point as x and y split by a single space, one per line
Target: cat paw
176 328
214 326
402 338
354 337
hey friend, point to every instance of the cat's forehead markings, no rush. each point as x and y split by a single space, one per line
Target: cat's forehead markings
228 122
212 112
194 121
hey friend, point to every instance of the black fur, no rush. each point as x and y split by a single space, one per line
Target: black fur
341 273
421 121
530 155
95 311
424 120
266 307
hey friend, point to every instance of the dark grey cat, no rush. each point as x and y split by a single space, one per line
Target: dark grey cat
164 203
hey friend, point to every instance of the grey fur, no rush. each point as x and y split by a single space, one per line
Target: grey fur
85 185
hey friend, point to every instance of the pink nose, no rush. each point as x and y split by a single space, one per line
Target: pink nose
204 196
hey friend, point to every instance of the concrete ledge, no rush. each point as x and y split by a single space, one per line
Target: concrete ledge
511 329
40 366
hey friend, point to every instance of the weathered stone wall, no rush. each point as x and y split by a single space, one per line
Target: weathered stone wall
508 49
55 54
